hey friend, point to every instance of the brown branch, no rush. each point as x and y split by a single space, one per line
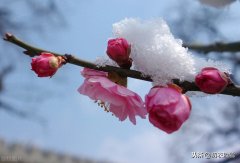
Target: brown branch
187 86
215 47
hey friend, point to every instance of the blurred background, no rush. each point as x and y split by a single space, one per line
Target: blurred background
50 116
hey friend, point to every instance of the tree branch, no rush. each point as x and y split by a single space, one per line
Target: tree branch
187 86
215 47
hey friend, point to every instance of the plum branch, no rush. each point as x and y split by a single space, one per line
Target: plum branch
32 51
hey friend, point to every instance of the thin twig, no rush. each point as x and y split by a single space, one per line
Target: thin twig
187 86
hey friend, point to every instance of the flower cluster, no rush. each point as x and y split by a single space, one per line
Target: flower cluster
166 105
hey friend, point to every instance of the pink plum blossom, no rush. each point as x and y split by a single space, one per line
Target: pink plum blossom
168 108
120 101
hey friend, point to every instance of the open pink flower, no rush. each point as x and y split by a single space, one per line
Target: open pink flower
46 64
119 50
168 108
121 102
211 80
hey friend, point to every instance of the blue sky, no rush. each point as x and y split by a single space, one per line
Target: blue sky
75 124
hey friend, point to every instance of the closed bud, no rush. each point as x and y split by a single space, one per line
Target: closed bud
211 80
119 50
46 64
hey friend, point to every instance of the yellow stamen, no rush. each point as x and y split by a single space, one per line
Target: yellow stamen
102 105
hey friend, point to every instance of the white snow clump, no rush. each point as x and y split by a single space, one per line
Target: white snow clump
155 51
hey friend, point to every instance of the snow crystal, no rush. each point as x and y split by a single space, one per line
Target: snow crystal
155 51
102 61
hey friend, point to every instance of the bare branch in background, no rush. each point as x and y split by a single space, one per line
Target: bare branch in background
5 71
190 26
215 47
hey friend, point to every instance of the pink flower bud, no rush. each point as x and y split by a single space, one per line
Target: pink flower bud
168 108
119 50
46 64
211 80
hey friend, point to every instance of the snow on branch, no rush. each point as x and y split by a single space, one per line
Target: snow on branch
32 51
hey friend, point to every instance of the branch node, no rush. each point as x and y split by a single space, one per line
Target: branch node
30 53
8 36
67 57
